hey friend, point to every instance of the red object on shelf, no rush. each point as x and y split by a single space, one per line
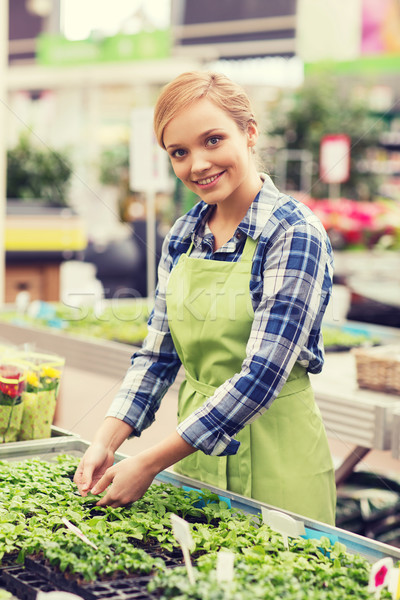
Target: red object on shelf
12 381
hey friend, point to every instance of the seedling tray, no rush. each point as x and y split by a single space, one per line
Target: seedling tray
124 588
49 449
39 566
24 583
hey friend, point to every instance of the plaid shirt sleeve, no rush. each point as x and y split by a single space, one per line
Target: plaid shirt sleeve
154 367
296 287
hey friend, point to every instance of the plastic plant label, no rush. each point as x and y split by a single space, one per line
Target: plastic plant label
78 533
183 535
379 576
225 569
384 574
283 524
58 595
394 583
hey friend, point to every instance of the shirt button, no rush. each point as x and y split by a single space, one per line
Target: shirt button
239 235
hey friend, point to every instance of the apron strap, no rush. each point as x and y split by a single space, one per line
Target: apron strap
202 388
190 248
297 382
249 249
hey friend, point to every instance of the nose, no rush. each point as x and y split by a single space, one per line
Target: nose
200 161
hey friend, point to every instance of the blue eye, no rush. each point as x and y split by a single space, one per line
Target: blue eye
178 153
212 141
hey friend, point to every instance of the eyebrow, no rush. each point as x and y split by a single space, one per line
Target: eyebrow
173 146
204 134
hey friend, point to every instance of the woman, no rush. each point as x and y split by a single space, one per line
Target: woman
244 280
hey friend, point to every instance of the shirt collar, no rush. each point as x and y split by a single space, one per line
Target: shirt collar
197 233
260 209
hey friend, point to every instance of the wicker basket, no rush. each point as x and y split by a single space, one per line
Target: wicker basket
379 368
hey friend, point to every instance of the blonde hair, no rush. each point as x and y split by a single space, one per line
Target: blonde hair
189 87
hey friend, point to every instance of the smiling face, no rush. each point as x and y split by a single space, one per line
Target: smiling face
211 155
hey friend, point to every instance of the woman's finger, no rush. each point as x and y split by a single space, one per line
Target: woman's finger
83 478
103 482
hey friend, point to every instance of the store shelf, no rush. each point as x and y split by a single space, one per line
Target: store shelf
390 138
147 72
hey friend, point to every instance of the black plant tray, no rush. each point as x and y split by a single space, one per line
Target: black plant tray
24 583
172 558
124 588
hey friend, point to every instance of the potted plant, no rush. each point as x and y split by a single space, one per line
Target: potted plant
12 385
40 396
37 173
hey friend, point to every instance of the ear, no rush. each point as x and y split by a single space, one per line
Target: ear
252 134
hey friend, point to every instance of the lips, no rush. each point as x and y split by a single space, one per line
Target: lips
208 181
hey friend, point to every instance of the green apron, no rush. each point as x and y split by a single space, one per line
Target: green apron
284 458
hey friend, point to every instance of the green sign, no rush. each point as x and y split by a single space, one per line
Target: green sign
374 64
57 50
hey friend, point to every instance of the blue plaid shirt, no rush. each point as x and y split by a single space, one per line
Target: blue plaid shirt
290 286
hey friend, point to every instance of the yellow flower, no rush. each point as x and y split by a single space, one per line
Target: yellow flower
50 372
32 379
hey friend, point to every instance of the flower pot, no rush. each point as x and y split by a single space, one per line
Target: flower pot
10 421
38 414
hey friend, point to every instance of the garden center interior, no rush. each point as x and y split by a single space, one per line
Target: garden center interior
87 198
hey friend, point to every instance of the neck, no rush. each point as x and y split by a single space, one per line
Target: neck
232 211
227 216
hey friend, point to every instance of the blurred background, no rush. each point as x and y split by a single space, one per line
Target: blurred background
86 196
81 215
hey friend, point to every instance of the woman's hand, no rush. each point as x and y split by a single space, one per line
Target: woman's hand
100 455
95 462
128 480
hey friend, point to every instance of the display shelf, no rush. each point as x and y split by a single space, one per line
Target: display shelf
147 72
359 417
97 356
108 358
351 414
390 138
